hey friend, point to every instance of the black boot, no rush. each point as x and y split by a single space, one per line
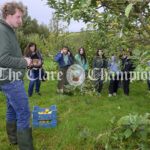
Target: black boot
25 141
11 128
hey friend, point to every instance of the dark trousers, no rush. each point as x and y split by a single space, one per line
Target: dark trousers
63 78
98 84
126 82
114 82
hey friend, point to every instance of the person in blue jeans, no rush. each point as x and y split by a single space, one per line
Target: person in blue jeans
35 71
12 63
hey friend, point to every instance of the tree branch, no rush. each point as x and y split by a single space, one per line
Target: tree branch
141 18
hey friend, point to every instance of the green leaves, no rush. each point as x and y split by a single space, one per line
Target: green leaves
82 2
128 9
128 133
91 11
124 121
88 2
132 129
85 3
76 14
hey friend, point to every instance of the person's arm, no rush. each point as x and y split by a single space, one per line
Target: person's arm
6 58
70 60
105 65
77 59
86 64
40 57
58 56
40 62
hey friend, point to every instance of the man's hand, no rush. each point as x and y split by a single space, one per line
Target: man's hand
29 61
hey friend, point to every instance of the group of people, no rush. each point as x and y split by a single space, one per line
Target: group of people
119 69
11 62
65 58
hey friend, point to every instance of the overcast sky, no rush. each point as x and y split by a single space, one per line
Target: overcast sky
39 10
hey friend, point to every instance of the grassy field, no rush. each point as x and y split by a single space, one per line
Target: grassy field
80 118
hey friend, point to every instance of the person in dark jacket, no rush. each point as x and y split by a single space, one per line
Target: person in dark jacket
99 63
13 67
35 71
127 67
64 60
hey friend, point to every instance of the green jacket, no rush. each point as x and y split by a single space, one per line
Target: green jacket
78 61
12 64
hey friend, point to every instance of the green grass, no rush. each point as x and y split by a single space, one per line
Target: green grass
80 118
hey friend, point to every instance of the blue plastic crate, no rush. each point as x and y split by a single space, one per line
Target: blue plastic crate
44 120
